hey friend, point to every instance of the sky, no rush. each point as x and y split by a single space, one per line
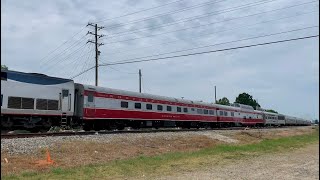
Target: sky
50 37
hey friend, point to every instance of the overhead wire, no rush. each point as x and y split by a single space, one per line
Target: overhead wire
61 45
167 13
248 5
136 12
216 32
73 45
87 62
228 42
287 7
90 76
41 60
54 63
77 62
199 53
207 52
122 71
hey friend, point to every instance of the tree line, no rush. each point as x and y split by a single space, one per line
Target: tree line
4 67
243 98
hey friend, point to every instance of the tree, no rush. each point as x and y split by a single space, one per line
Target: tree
223 101
4 67
245 98
272 111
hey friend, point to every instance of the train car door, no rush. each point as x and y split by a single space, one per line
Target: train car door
91 111
65 100
218 115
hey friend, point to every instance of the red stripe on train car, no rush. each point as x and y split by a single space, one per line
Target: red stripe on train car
124 114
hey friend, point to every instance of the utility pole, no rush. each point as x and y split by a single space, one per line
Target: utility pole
140 75
215 94
96 29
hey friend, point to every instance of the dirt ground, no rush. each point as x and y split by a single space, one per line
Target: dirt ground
76 153
298 164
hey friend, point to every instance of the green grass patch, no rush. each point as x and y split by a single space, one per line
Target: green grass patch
169 163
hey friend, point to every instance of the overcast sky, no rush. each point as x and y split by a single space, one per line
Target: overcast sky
49 37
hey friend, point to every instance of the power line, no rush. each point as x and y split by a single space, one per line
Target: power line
73 45
87 62
205 52
206 24
257 3
77 61
61 44
66 57
199 47
211 33
119 70
167 13
67 64
136 12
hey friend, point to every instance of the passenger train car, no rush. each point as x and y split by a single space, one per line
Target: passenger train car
29 99
32 100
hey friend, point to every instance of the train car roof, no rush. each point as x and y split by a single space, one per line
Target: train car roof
157 97
33 78
145 95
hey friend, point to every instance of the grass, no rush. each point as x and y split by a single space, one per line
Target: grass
170 163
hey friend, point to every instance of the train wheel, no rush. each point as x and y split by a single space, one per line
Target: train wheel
87 126
6 123
136 124
47 123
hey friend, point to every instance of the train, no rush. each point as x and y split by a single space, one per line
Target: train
33 101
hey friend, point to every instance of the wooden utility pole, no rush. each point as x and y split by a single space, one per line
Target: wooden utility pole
140 75
96 29
215 94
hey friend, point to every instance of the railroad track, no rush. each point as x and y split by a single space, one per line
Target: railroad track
82 133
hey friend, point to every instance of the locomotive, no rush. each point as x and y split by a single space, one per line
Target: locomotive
32 101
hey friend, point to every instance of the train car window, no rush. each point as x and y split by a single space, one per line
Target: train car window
149 106
178 109
221 113
65 93
205 111
199 111
232 113
192 109
211 112
185 110
159 108
225 113
27 103
124 104
137 105
90 97
3 76
169 108
42 104
14 102
53 104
